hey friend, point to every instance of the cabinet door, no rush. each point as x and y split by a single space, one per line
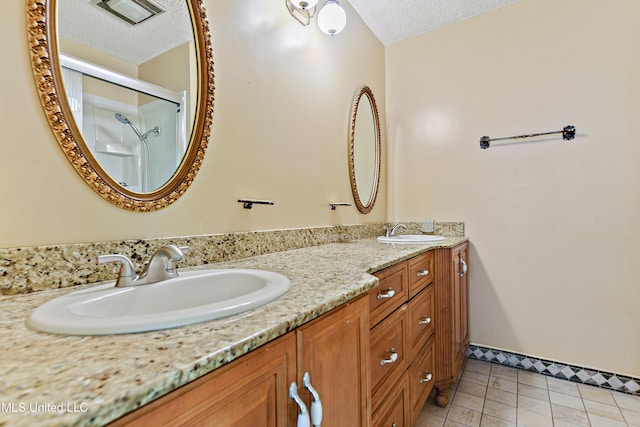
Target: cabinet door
334 350
250 391
460 305
451 317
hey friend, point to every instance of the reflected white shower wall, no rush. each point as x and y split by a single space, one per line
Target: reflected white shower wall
166 149
119 150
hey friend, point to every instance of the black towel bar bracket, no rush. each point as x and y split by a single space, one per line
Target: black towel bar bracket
568 133
248 204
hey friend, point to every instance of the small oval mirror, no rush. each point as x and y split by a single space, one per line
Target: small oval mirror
364 150
127 87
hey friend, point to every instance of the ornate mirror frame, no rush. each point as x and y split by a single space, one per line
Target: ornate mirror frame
364 206
43 47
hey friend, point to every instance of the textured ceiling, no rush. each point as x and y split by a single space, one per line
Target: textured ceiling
396 20
84 22
390 20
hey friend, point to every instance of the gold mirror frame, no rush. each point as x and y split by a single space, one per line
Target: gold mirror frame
362 207
42 34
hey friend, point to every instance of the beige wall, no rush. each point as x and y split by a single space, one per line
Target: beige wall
554 244
555 237
280 129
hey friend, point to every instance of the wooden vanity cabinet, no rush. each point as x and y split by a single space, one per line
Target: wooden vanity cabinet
452 327
402 352
373 360
253 390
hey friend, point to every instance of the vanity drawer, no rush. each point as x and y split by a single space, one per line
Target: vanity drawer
421 320
421 270
421 379
395 409
391 292
388 358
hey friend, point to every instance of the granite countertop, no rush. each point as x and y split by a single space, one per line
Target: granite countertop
55 380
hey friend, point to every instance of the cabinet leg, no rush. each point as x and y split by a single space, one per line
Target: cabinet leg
441 398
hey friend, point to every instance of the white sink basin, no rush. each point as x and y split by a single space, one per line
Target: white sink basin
194 296
411 238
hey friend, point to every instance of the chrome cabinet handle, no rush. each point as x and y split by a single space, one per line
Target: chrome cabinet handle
423 272
425 321
392 358
303 416
464 267
316 404
388 294
428 377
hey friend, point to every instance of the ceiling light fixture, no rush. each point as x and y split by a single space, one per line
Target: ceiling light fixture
133 12
331 18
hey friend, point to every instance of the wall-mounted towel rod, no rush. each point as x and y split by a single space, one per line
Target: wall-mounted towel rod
248 204
568 133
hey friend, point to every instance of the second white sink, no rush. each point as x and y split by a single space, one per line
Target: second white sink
411 238
194 296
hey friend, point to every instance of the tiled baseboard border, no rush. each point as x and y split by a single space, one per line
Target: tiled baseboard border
556 369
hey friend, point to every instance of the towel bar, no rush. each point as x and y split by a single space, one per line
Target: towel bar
568 133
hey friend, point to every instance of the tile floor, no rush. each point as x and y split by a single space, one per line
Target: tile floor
496 395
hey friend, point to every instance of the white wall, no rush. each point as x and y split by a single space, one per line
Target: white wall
280 130
554 231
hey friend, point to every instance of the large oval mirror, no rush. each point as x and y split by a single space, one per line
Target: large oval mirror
127 87
364 150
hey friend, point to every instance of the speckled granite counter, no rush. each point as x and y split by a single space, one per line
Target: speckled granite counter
51 380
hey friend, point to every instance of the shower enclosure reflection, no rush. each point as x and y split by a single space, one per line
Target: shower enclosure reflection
136 133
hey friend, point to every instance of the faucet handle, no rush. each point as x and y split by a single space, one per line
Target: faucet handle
170 260
127 271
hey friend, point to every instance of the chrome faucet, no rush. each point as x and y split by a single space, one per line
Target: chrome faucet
160 266
391 231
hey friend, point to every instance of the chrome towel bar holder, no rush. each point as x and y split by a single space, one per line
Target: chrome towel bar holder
568 133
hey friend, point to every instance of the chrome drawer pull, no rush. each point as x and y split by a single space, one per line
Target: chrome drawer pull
425 321
422 272
388 294
392 358
427 377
